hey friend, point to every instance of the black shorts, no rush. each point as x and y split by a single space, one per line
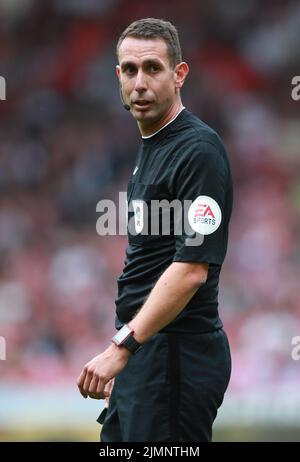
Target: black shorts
170 390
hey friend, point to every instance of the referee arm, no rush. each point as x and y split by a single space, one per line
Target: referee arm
170 295
173 290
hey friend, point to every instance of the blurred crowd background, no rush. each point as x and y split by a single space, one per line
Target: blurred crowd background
66 143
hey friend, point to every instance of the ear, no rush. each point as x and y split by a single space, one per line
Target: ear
118 71
181 71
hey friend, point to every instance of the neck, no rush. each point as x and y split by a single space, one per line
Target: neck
158 124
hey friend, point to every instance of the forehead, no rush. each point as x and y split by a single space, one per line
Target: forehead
138 49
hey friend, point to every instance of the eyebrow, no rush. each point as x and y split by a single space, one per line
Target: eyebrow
147 62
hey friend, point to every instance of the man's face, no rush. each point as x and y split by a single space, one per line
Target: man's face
147 78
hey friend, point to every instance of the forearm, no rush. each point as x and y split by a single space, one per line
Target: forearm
170 295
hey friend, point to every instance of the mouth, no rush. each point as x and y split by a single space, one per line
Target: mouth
142 103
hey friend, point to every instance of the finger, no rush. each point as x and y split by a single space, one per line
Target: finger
81 378
93 385
108 389
88 378
96 396
101 391
80 382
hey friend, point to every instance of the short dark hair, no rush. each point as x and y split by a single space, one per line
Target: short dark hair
150 28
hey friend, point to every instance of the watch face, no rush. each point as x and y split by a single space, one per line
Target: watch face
122 334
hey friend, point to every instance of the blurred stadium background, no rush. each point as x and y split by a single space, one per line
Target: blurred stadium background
66 143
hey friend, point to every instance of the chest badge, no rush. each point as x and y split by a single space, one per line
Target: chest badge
138 209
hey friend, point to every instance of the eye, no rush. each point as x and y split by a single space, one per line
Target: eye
154 68
129 70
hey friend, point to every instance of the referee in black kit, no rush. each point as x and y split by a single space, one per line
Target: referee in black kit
168 366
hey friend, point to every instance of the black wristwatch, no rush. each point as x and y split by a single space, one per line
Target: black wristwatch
124 337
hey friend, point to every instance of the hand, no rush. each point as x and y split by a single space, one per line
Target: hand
100 370
108 389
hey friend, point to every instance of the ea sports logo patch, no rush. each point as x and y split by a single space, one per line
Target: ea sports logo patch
204 215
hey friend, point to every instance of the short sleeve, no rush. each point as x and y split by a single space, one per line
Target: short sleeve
200 182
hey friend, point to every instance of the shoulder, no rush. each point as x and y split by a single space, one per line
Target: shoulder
198 145
196 136
198 133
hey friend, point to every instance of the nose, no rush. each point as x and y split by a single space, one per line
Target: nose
141 82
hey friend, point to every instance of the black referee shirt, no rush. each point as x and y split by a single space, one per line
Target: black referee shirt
186 161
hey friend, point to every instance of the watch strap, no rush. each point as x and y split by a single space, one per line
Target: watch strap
131 344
